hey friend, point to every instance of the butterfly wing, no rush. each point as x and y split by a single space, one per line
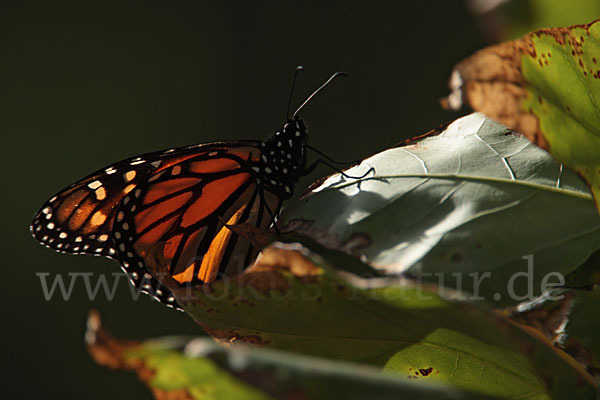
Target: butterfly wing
81 218
179 216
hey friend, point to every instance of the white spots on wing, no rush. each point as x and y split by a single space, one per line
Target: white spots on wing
94 185
129 175
288 190
141 264
129 254
86 246
99 250
122 247
110 170
38 228
289 155
128 188
76 248
268 170
103 237
147 276
47 210
45 238
50 225
176 170
117 235
135 275
125 225
78 239
49 216
284 170
52 200
279 144
120 216
138 192
264 158
59 245
100 193
98 218
136 161
273 182
111 251
156 164
256 169
297 134
213 153
63 235
291 143
133 207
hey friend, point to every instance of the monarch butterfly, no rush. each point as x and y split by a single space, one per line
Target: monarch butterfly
178 202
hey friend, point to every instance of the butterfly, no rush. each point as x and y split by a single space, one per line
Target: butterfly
177 204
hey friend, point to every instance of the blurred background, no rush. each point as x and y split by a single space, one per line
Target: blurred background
85 84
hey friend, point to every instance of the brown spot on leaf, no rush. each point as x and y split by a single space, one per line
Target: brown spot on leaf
456 258
426 371
227 337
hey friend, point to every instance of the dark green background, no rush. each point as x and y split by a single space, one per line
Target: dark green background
84 84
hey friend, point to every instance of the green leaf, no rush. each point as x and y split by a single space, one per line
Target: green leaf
563 77
469 363
546 86
377 322
461 208
198 368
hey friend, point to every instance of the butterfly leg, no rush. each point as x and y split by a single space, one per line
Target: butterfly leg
314 165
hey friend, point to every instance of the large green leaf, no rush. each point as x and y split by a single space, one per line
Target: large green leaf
460 207
181 368
546 86
287 302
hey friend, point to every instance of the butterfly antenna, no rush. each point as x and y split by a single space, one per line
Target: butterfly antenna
332 77
298 69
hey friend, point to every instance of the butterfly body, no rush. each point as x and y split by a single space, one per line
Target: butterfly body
172 207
